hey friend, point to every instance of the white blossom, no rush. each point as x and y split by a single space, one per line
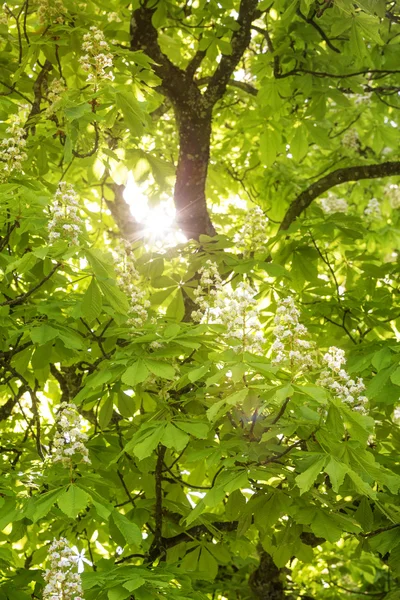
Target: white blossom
392 191
113 17
4 15
333 204
252 237
210 286
69 440
351 140
12 153
54 94
62 583
337 380
237 310
373 210
65 221
128 280
289 345
97 59
396 415
51 11
362 98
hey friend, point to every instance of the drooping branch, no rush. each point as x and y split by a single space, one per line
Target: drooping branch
303 200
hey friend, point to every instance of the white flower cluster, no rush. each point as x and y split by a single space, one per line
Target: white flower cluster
210 286
396 415
236 309
362 98
69 439
128 279
61 582
54 94
336 379
289 345
392 191
332 204
351 140
253 235
373 210
4 15
238 312
98 58
12 153
113 17
51 11
65 221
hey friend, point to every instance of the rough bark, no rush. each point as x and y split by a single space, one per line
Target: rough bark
266 582
303 200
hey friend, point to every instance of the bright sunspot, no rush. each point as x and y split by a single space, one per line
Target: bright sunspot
158 221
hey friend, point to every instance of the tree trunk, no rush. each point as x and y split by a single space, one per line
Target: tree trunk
266 582
194 152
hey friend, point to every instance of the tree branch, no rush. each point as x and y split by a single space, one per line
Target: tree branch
21 299
240 40
119 208
157 546
357 173
321 32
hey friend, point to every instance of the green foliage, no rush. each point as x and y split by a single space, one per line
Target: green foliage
204 456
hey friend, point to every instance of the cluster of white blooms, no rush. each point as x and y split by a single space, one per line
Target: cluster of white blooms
336 379
289 345
373 210
113 17
238 312
392 191
361 98
332 204
12 153
65 222
51 11
396 415
4 15
54 95
69 439
128 279
61 581
351 139
97 59
253 235
206 293
236 309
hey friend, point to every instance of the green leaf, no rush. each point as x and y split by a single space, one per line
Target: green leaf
40 505
73 501
299 144
105 412
116 299
135 374
337 472
145 442
173 437
133 114
129 530
306 479
92 302
160 369
43 334
198 430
